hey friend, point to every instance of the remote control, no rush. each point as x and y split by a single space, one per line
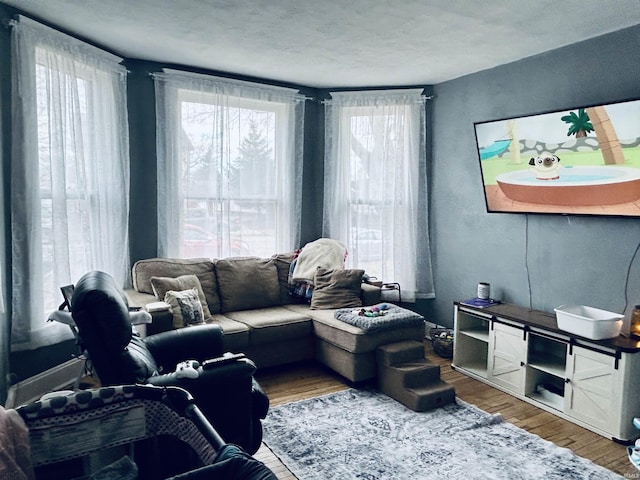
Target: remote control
226 358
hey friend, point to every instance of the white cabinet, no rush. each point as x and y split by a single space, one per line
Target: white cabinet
595 384
507 355
593 388
471 351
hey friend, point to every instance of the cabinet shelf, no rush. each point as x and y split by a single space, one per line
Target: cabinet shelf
477 333
550 366
478 369
550 400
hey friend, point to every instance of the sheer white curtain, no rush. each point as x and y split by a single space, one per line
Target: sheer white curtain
69 174
375 185
5 329
229 166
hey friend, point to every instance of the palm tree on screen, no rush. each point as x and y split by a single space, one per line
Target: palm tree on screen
579 124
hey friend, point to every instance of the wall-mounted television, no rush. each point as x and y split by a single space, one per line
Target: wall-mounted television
580 161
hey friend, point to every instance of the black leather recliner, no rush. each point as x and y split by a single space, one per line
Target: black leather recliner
227 393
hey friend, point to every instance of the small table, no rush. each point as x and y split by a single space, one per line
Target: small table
391 287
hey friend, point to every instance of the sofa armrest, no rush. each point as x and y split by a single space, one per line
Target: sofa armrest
370 294
137 299
198 342
161 316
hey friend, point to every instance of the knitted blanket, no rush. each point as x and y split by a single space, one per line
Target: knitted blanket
324 252
394 318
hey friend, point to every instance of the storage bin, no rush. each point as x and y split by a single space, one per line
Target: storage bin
442 341
588 322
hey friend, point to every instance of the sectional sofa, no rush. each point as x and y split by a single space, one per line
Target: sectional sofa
250 299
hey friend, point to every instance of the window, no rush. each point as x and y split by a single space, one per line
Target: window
69 171
229 166
375 185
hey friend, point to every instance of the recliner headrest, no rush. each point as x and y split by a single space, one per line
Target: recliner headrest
101 311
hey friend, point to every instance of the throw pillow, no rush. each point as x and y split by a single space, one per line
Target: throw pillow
336 289
185 307
161 285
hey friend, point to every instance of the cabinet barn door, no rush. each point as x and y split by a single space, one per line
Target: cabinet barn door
508 350
591 390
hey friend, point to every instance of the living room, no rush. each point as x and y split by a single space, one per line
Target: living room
536 261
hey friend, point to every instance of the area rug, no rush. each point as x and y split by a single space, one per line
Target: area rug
364 434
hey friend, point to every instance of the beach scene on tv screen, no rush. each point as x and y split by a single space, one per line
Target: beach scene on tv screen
578 161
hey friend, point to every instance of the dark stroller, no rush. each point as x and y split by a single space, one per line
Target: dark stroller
131 432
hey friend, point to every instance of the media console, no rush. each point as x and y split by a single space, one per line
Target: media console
593 383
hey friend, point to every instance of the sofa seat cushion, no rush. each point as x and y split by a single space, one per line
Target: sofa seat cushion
273 324
202 268
236 334
351 338
246 283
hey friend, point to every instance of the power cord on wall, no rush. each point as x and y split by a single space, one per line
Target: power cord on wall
526 258
626 283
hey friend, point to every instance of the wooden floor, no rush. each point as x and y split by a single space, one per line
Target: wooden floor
299 382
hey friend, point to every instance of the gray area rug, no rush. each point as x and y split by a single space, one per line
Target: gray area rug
363 434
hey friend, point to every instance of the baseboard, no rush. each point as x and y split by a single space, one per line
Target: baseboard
57 378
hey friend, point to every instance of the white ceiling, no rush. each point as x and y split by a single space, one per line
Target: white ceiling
335 43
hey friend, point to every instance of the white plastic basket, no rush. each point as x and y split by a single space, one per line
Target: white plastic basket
588 322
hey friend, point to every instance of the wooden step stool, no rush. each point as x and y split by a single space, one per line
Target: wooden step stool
408 377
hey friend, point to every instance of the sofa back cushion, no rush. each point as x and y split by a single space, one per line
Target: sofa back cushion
245 283
202 268
283 265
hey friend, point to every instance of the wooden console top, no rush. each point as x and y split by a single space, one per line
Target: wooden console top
547 321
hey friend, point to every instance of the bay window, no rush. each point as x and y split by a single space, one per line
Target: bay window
69 174
229 166
375 186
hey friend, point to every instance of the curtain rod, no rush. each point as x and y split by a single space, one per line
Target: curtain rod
329 100
234 81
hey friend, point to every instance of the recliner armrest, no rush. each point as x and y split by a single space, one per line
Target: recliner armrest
219 376
198 342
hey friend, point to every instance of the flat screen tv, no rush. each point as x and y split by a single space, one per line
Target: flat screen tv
580 161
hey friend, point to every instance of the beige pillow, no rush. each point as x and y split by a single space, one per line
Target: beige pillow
161 285
245 283
336 289
185 307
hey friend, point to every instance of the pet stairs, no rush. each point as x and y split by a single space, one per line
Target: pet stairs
408 377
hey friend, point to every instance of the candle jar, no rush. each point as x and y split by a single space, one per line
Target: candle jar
634 327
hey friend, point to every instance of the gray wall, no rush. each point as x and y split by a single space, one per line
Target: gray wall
530 260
